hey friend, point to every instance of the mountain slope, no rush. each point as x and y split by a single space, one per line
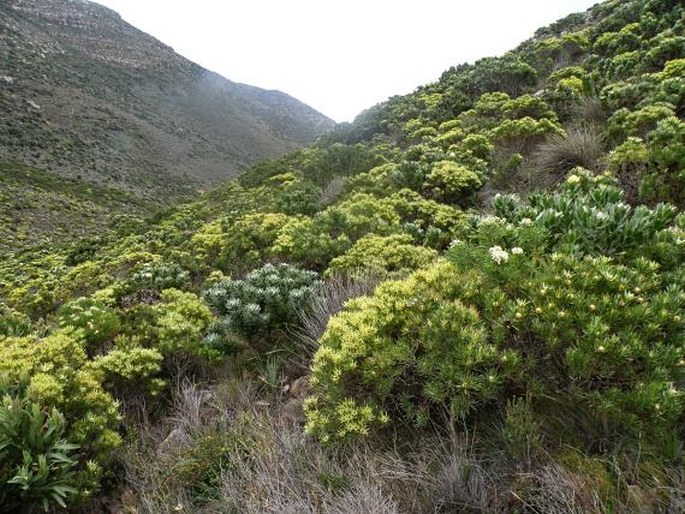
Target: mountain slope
461 348
86 95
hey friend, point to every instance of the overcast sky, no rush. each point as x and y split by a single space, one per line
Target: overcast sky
340 57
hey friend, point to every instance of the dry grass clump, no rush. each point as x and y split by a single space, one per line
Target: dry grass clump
590 110
580 146
555 490
227 450
332 190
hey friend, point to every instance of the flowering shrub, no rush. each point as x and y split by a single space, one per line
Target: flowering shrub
266 299
97 321
159 275
588 215
510 316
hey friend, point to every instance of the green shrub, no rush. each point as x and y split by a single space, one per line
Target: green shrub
589 216
13 323
180 321
410 349
54 373
450 182
312 242
266 299
159 275
248 241
624 123
97 321
530 306
38 464
382 254
294 195
666 178
130 370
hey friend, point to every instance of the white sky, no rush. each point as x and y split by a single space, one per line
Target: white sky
340 57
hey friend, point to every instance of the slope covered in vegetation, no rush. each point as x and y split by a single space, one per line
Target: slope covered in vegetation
85 95
471 299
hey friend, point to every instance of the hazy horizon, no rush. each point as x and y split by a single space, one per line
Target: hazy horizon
340 59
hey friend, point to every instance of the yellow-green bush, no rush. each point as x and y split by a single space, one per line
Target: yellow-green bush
450 182
530 305
54 373
383 254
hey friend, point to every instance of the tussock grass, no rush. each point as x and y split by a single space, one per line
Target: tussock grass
580 146
226 450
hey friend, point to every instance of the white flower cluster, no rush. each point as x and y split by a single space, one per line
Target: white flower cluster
489 219
499 255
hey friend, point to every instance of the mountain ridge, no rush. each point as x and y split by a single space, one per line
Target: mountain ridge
88 95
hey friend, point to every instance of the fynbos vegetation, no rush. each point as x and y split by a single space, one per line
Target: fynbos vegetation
470 299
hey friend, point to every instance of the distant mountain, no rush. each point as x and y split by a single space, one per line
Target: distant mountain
86 95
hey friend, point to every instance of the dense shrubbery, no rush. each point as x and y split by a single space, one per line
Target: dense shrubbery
52 376
570 323
37 462
518 291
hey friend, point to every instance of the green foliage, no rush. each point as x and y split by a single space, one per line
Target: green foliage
666 179
37 461
313 242
159 275
58 375
294 195
38 207
266 299
13 323
450 182
53 373
382 254
409 349
180 322
97 321
560 314
551 316
129 369
639 123
588 216
521 431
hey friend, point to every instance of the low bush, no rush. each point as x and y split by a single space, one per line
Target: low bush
38 464
508 317
378 254
266 299
62 399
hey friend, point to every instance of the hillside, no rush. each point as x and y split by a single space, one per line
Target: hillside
470 299
85 95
